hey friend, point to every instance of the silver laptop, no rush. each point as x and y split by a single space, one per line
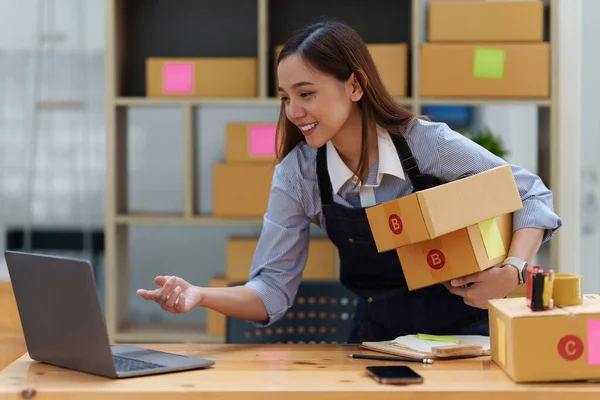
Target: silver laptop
64 326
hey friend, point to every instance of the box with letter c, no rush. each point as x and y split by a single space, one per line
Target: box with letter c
562 344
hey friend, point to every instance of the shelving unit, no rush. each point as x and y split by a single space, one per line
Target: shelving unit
252 30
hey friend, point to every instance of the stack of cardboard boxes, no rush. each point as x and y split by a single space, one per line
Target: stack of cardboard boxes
485 49
451 230
321 264
391 60
202 77
242 183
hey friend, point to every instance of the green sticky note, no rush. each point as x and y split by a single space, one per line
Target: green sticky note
492 240
436 338
488 63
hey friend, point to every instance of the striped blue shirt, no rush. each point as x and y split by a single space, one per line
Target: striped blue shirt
295 203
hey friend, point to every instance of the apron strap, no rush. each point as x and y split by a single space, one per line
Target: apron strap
323 179
409 163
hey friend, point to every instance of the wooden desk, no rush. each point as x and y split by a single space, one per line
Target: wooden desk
288 372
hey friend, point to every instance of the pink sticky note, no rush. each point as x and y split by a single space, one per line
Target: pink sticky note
593 341
178 77
262 140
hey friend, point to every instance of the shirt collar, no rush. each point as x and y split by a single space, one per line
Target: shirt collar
389 162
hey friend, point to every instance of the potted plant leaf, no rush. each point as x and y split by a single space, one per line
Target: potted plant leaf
487 139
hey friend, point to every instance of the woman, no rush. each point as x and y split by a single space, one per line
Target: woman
347 145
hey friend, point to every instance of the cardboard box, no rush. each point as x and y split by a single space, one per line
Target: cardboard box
484 21
391 60
202 77
539 346
241 189
216 323
253 141
434 212
485 70
320 264
459 253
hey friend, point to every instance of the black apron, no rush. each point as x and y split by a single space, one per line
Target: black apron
386 308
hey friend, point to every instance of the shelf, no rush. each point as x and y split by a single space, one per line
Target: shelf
138 29
273 101
176 219
484 101
183 102
165 333
170 102
185 28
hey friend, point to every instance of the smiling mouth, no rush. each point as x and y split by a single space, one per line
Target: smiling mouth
308 127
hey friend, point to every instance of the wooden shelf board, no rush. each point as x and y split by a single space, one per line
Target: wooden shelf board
273 101
165 333
484 101
181 102
177 219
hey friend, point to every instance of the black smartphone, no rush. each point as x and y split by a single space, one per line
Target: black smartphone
396 374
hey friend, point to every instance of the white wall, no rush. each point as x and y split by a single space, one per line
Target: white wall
590 138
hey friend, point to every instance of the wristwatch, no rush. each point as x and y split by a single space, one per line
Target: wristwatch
519 264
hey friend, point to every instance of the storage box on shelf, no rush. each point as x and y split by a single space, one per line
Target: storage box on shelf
485 70
242 183
391 61
321 264
485 21
485 49
201 77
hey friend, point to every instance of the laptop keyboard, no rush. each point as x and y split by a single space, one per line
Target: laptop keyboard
125 364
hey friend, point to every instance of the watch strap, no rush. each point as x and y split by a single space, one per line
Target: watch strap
519 264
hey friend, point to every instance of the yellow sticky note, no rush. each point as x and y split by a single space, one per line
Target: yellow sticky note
488 63
491 238
437 338
501 341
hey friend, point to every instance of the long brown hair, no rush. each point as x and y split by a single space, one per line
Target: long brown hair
338 50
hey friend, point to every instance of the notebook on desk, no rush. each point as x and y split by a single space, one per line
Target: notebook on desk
433 347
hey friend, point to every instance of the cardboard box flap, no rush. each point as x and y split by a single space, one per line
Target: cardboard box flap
473 199
517 308
591 305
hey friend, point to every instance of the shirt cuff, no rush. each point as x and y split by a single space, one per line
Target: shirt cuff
536 214
268 295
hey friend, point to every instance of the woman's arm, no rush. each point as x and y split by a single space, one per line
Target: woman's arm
535 223
276 270
526 243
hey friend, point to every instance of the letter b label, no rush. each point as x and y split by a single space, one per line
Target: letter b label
395 224
436 259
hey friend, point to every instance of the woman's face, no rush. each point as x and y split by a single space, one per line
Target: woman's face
317 103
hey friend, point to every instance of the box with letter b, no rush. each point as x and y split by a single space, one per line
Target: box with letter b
451 230
458 253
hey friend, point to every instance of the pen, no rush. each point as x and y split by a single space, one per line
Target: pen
390 358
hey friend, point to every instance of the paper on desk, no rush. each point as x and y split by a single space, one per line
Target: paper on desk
425 346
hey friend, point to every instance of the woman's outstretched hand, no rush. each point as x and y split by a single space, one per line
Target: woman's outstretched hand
175 294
